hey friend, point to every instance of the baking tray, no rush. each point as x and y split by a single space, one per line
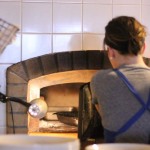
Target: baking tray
51 113
69 118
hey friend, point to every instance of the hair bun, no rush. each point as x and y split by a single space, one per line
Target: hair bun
125 34
133 46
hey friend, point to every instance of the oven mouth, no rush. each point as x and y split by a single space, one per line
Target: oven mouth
27 79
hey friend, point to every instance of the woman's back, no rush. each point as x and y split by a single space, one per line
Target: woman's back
119 104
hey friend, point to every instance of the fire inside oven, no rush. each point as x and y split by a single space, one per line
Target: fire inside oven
63 102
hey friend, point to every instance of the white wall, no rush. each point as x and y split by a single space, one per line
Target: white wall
48 26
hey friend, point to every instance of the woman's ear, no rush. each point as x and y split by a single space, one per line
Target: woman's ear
111 53
143 48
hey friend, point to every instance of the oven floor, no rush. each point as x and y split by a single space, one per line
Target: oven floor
72 135
56 126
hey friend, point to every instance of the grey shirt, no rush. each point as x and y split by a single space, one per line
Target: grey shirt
117 103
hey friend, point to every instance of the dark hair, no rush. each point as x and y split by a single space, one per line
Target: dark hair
125 34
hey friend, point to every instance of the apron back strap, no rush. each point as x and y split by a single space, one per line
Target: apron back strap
110 135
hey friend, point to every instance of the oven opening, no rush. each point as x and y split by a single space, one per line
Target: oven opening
61 93
62 115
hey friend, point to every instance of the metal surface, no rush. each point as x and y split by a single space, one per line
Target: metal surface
60 119
51 114
61 108
69 118
89 125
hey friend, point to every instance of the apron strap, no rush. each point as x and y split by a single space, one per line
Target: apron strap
130 86
110 135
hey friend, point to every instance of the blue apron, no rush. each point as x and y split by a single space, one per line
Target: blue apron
111 135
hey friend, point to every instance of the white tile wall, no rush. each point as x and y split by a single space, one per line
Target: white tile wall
68 1
34 45
127 10
14 49
128 2
147 51
67 18
48 26
146 2
146 16
3 68
98 1
31 22
67 42
11 11
95 17
92 41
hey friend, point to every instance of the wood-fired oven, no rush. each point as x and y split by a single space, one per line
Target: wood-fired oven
57 78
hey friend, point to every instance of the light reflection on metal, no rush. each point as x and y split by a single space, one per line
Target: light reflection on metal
38 108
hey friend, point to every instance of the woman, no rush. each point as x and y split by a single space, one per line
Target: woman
125 116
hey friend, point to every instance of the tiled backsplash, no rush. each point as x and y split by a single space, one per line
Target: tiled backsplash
48 26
